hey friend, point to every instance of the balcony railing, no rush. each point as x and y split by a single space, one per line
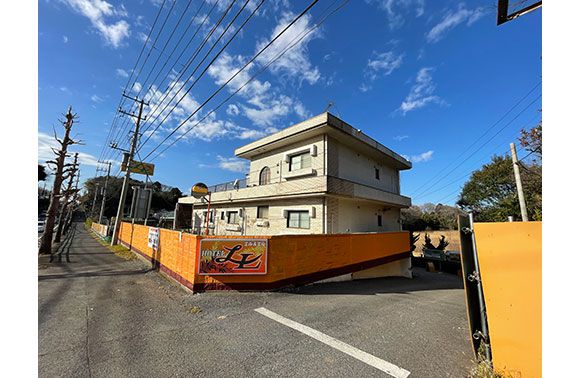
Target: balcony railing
230 185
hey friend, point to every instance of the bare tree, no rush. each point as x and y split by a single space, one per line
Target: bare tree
60 166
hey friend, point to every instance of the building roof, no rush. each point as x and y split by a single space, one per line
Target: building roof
324 123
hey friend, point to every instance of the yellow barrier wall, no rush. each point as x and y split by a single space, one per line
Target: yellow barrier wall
510 259
100 229
292 259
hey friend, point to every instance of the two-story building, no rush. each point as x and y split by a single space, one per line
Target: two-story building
320 176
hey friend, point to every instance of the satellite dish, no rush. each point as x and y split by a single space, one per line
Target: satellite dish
199 190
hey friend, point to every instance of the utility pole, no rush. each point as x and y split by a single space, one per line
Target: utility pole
46 240
95 199
102 212
68 192
519 183
127 177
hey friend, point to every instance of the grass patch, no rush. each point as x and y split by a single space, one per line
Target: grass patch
484 369
119 250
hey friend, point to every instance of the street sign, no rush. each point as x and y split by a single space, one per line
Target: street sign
199 190
140 167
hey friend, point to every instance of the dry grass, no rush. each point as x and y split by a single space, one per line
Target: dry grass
118 250
452 236
484 369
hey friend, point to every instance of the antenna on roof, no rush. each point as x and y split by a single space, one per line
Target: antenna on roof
330 105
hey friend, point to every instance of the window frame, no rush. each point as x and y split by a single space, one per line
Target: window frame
236 217
301 156
377 173
379 220
267 212
300 214
269 176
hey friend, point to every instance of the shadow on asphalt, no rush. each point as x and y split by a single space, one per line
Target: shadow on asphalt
94 274
421 281
65 245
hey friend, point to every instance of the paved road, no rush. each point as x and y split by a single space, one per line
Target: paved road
102 316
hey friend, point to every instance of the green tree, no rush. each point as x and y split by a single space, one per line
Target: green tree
491 191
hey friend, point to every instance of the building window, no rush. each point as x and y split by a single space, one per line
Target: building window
377 174
210 216
263 212
233 217
298 219
264 176
303 160
380 220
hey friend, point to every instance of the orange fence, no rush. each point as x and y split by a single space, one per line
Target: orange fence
510 261
292 259
100 229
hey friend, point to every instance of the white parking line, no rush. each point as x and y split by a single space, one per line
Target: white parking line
369 359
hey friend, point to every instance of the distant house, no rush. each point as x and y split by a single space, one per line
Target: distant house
320 176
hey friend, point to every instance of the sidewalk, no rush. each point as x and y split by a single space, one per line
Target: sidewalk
102 316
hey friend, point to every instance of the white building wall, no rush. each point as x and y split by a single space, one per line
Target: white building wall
277 225
357 167
359 216
275 160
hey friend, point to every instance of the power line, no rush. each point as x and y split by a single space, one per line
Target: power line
482 135
482 145
198 65
121 100
133 106
231 78
471 171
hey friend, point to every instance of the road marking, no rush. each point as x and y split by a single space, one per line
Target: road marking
369 359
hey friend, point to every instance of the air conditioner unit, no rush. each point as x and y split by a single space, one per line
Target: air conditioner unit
262 223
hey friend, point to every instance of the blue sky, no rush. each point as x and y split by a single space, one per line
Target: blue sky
426 79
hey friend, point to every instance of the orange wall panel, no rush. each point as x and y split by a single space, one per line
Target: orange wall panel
289 256
510 259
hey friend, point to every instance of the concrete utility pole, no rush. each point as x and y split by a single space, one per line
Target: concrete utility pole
127 177
102 212
95 199
46 240
519 183
68 192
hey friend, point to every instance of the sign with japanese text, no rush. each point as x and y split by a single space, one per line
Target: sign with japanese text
139 167
153 238
232 256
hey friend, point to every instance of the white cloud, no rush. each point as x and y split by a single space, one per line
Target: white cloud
97 11
397 10
233 110
295 63
383 64
453 19
121 72
400 138
45 144
421 158
96 98
264 106
137 86
233 164
65 39
421 93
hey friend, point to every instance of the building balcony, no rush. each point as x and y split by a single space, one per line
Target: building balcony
241 190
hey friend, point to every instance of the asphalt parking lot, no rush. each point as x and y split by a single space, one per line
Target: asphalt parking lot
102 316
